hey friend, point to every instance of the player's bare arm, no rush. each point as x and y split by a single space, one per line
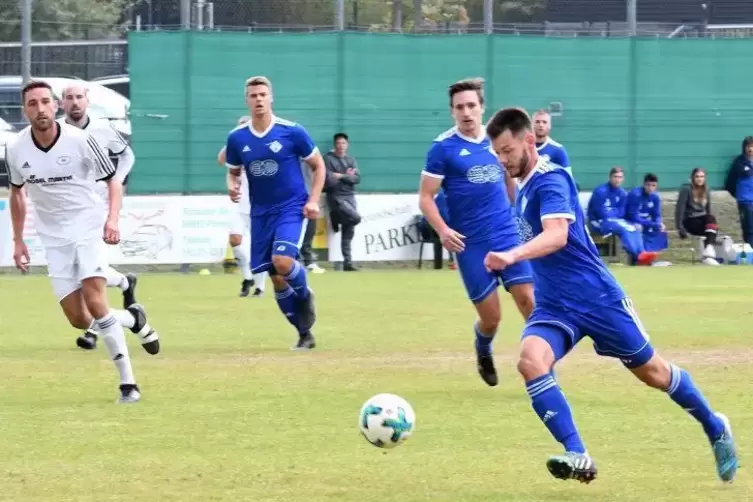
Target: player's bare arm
115 202
221 157
316 164
18 220
451 240
552 238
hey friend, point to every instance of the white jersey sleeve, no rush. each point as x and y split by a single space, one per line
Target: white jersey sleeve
97 160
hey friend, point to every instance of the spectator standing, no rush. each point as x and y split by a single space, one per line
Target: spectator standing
693 214
342 177
740 186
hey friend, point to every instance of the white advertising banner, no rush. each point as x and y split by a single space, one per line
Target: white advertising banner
154 230
387 232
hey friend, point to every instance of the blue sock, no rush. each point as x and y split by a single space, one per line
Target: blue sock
550 405
683 391
288 303
297 280
483 342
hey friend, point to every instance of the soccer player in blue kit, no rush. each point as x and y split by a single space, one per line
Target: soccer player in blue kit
577 296
481 218
270 150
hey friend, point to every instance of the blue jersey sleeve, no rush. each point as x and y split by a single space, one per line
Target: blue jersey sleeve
304 145
232 155
435 161
554 194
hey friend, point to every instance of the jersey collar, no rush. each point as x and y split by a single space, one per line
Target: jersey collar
478 140
54 141
263 133
540 162
542 145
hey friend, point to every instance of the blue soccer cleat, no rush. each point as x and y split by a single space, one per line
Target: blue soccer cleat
725 452
571 465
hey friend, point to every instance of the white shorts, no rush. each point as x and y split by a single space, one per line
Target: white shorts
68 265
240 223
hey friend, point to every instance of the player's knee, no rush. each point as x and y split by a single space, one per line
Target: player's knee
278 282
95 297
536 358
283 264
655 373
235 240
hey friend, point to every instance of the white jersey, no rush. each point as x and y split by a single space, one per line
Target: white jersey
61 182
111 142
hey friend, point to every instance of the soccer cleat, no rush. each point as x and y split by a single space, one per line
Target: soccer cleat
129 295
149 338
486 369
315 269
87 341
571 465
258 293
725 452
246 286
307 313
305 342
129 394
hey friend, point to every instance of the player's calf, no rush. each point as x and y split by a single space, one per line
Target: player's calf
485 330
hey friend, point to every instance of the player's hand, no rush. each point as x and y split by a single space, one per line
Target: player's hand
311 210
235 193
498 261
638 227
350 171
21 256
452 241
662 227
112 232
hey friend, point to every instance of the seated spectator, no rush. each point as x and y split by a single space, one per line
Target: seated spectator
644 211
606 215
693 214
739 184
426 230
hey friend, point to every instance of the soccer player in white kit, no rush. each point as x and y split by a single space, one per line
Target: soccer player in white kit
55 163
240 233
75 101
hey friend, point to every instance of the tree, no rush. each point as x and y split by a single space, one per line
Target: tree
65 19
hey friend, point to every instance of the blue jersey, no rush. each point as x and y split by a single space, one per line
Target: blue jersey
555 153
474 183
607 202
272 161
644 209
573 278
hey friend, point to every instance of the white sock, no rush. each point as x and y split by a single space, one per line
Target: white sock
114 338
261 280
124 317
244 261
115 279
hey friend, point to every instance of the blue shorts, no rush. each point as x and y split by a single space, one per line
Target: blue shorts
614 329
275 234
480 283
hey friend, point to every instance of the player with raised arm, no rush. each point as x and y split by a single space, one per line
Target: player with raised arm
55 162
240 228
481 218
270 150
577 296
75 103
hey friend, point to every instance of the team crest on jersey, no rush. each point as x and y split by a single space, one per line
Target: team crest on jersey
490 173
650 204
63 160
275 146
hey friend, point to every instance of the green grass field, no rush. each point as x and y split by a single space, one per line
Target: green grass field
229 413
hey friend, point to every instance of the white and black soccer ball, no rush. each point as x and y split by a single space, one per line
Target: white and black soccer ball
386 420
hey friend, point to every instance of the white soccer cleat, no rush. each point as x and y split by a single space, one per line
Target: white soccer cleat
315 269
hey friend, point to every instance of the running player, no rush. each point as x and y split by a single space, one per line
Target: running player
577 296
481 218
56 162
240 229
75 101
270 149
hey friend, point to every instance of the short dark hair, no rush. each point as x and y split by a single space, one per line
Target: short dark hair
651 178
34 84
340 135
615 170
515 120
469 84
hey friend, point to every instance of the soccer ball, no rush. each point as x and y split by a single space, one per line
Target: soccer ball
386 420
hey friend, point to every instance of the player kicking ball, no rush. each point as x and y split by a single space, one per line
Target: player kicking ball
577 296
481 217
75 105
59 165
270 150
